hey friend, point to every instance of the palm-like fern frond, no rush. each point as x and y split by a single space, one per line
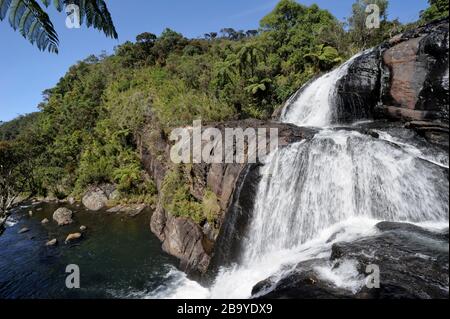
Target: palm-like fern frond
35 25
32 21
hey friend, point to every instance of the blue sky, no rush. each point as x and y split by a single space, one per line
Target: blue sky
26 72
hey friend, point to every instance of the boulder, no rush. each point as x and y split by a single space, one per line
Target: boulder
95 199
413 264
185 240
302 283
73 237
182 238
63 216
51 243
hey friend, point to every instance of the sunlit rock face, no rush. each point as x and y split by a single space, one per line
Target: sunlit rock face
405 78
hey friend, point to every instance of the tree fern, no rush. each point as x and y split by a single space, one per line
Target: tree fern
34 23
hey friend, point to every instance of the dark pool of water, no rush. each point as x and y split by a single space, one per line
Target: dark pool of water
117 257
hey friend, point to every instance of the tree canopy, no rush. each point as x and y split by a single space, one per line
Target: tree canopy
438 9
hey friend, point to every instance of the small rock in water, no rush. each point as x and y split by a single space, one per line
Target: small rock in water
73 237
137 210
52 242
23 230
30 213
115 209
374 134
39 209
130 210
83 228
45 221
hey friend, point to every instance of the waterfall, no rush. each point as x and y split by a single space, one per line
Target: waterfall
312 104
337 176
334 187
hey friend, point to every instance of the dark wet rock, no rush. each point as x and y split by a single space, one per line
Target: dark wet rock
433 131
413 264
302 282
63 216
374 134
358 92
410 228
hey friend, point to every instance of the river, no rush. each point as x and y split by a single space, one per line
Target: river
117 257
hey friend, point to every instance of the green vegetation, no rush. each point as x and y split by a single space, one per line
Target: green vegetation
178 200
438 9
34 24
10 130
86 131
14 177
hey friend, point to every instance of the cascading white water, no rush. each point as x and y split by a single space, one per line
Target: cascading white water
336 176
312 105
339 183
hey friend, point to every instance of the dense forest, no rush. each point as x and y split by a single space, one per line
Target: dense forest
85 132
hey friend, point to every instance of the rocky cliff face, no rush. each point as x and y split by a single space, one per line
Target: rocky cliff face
404 79
195 244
